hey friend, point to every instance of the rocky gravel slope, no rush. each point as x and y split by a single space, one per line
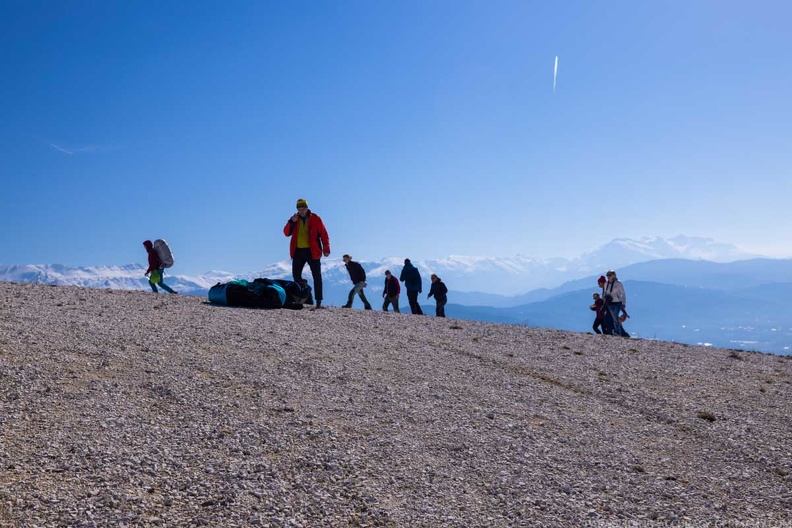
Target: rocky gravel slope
123 408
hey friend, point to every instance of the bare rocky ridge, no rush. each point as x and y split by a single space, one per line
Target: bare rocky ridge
122 408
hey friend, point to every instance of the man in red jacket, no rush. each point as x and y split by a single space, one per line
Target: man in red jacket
309 241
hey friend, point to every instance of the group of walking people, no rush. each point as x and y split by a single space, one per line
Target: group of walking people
310 241
411 278
610 306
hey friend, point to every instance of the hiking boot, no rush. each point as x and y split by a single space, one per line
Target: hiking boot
347 306
368 307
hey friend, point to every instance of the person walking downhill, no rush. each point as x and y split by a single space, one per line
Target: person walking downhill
616 300
391 292
439 291
358 276
309 241
411 278
155 271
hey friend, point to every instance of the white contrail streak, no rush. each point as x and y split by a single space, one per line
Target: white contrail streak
555 73
56 147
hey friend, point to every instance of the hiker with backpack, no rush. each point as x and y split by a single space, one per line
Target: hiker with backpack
411 278
358 276
159 258
391 292
439 291
309 241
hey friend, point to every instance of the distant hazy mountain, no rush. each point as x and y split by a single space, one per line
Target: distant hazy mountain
493 277
622 251
493 280
689 273
754 317
128 277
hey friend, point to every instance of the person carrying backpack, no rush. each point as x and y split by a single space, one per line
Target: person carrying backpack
155 271
358 276
411 278
439 291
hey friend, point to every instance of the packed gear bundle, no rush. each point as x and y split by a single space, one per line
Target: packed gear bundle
261 293
164 253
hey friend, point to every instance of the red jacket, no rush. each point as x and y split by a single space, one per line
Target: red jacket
392 287
153 259
318 239
599 308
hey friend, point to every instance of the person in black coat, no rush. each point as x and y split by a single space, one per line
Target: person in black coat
439 292
358 276
411 278
391 292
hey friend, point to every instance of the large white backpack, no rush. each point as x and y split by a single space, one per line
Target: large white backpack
164 252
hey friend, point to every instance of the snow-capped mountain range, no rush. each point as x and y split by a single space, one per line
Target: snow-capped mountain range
497 275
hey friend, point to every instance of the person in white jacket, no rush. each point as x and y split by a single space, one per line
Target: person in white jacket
615 300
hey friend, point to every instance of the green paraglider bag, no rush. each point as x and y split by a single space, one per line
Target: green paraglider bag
156 277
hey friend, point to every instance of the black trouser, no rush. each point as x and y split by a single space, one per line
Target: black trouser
391 300
302 256
598 323
607 323
440 309
415 308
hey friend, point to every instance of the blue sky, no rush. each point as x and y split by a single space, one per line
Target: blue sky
414 128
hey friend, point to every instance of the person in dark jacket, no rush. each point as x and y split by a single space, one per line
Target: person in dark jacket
439 291
358 276
309 241
155 271
391 292
599 313
411 278
607 319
